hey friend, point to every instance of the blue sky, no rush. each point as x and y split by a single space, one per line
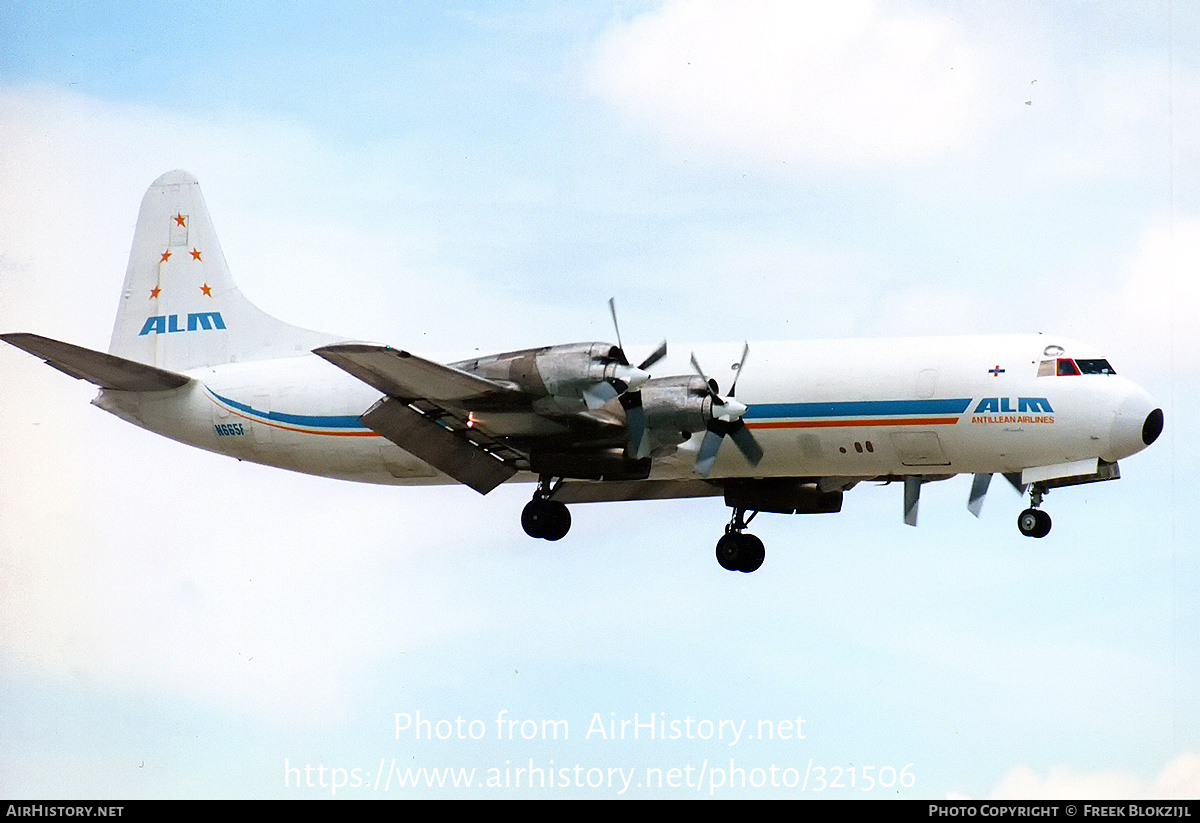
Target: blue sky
460 178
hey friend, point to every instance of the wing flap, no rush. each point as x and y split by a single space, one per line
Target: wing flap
451 452
403 375
105 370
426 411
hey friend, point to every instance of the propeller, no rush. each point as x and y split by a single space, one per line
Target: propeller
622 379
630 393
726 421
655 356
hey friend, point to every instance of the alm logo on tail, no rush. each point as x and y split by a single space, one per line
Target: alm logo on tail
196 321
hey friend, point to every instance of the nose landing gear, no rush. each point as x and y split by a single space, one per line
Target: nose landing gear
1033 522
738 551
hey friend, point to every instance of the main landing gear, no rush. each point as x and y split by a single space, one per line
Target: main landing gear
1033 522
738 551
543 517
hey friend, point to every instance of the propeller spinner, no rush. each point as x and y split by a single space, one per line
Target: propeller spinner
726 420
620 378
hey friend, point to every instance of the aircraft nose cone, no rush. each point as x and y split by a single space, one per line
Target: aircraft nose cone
1138 423
1153 426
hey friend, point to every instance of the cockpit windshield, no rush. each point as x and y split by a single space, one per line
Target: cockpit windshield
1094 367
1068 367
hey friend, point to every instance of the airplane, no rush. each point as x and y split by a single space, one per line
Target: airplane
800 424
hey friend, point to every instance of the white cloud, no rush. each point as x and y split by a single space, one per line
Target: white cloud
1179 779
1161 296
811 84
1140 305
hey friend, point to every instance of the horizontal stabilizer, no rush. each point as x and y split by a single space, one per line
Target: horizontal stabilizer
105 370
405 376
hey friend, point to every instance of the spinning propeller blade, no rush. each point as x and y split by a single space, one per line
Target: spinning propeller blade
631 397
726 420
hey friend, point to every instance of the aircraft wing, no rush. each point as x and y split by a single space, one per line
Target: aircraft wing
105 370
426 411
405 376
480 430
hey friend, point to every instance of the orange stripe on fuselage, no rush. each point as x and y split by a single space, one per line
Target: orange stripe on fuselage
303 431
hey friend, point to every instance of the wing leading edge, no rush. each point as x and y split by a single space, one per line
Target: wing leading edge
405 376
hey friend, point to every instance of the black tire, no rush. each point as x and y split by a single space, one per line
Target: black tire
739 552
1033 523
546 519
1043 527
729 551
558 521
533 518
752 555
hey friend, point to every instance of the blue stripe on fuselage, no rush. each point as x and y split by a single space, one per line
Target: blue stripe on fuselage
858 408
326 421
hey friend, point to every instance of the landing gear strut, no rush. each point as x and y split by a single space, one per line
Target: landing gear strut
738 551
1033 522
543 517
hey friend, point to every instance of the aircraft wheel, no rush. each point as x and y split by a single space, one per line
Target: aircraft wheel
753 553
1034 523
738 552
533 518
729 551
546 519
559 521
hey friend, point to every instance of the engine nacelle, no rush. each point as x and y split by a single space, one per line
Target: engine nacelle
676 407
566 371
562 373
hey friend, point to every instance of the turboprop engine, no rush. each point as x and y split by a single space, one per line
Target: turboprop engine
591 374
675 408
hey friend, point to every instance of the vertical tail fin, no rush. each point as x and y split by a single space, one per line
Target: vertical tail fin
180 308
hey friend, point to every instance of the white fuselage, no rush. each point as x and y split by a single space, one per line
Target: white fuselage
837 408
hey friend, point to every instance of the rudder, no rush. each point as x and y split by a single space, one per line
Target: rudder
180 308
